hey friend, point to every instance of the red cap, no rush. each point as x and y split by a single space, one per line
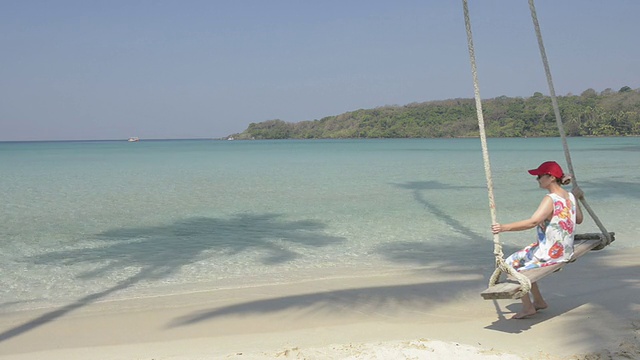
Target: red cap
548 168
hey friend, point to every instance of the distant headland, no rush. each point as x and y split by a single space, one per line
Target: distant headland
592 113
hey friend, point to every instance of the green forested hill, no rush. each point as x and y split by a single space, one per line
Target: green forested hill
608 113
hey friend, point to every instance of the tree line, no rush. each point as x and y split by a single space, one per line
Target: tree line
607 113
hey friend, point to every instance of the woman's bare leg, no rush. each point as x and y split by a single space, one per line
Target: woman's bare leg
538 301
527 308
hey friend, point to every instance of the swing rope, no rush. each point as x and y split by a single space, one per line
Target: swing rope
556 109
501 265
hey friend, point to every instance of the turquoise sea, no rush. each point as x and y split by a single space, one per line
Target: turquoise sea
104 220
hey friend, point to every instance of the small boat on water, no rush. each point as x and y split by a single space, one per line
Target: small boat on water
134 139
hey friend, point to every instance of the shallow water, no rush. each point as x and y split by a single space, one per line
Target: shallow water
118 220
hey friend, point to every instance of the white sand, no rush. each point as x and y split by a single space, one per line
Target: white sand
594 310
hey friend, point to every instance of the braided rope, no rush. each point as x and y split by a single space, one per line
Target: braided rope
501 265
556 109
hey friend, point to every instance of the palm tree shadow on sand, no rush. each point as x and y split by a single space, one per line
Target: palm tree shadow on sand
160 251
362 300
566 282
575 282
589 283
367 299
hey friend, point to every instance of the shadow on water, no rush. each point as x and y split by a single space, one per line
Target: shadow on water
165 249
418 189
159 251
611 187
446 251
367 299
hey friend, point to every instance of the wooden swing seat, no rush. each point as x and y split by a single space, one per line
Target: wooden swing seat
582 244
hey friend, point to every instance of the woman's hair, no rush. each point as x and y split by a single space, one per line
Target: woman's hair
565 180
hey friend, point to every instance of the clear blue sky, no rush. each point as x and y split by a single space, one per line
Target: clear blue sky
112 69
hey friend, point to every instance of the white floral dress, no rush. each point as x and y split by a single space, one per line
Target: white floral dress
555 238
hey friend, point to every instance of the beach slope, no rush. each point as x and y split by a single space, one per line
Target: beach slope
594 312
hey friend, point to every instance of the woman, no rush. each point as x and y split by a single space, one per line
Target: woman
555 220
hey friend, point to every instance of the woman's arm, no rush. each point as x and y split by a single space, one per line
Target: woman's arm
545 209
579 194
579 216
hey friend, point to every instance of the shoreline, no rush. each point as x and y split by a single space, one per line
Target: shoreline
593 309
226 138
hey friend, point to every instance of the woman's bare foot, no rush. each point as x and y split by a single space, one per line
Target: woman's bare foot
525 313
540 305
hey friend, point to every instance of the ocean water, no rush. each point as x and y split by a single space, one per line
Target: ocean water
114 220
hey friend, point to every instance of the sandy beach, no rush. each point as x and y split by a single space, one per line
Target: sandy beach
594 313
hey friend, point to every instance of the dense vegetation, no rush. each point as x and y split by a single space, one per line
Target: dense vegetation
608 113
